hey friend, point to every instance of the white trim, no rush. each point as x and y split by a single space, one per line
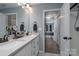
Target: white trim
12 14
58 9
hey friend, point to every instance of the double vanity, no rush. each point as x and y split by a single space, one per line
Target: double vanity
24 46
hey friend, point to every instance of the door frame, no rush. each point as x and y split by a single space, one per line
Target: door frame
44 11
65 30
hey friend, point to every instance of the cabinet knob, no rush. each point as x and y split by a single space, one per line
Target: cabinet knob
65 38
70 38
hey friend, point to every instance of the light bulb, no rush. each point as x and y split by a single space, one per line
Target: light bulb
61 16
22 6
27 5
30 9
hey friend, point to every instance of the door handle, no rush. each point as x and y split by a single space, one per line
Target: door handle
69 38
65 38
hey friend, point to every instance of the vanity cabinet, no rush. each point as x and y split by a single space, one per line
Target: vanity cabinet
24 51
30 49
20 52
35 46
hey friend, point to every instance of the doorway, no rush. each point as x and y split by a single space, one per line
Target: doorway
51 32
63 31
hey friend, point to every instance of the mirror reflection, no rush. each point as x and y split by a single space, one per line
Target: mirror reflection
15 21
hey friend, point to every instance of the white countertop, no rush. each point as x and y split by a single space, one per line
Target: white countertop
8 48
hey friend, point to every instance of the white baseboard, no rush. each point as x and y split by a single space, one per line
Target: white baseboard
41 51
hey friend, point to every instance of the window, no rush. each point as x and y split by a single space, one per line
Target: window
11 19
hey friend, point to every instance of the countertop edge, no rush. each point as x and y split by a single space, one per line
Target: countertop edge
13 53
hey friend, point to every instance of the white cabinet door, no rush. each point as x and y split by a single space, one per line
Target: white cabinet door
28 50
33 47
36 45
21 52
25 51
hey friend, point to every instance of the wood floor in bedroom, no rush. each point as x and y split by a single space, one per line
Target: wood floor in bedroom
51 46
48 54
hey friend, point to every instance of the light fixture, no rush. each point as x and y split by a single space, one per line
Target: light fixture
50 17
26 6
30 9
61 16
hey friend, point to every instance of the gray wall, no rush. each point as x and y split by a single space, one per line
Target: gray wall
2 25
74 43
37 15
21 15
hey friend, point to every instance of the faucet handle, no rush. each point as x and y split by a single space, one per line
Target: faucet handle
0 40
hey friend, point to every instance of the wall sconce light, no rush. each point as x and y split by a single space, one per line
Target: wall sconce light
27 6
60 16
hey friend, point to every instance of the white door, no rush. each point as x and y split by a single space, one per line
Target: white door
65 30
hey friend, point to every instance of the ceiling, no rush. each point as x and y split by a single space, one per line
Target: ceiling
8 5
11 5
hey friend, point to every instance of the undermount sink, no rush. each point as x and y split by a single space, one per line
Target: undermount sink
16 37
